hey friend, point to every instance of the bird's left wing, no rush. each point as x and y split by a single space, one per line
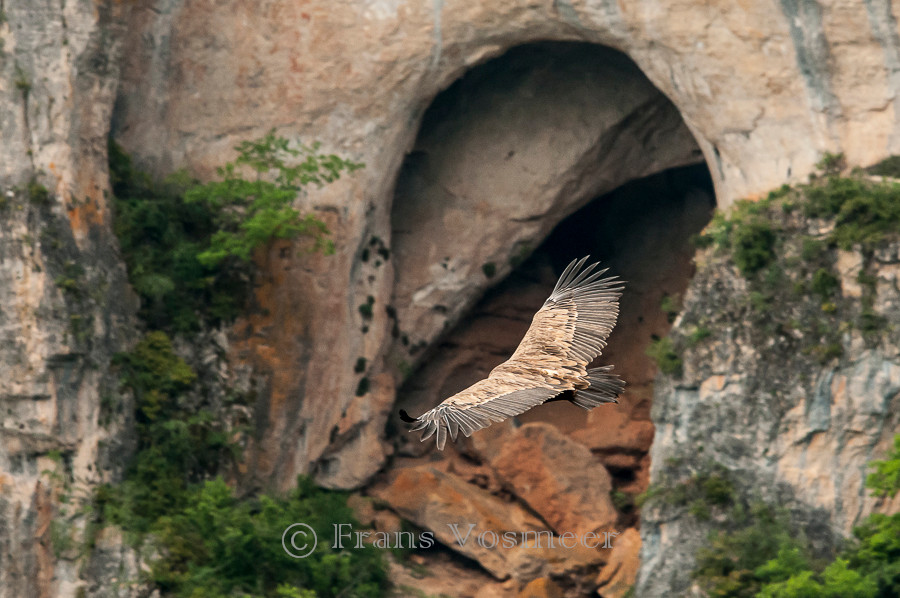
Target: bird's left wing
490 400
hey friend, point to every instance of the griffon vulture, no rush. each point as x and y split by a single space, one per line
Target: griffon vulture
566 334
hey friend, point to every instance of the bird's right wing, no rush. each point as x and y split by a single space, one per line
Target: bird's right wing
571 328
489 400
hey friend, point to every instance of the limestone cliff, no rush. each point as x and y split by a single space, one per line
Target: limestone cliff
482 127
763 93
65 307
784 382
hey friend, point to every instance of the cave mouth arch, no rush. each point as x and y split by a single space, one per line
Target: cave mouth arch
545 154
551 151
502 156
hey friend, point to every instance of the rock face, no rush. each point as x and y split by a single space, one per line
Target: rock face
748 82
558 478
758 93
65 307
478 525
761 402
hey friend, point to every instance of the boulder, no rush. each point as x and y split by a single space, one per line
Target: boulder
501 536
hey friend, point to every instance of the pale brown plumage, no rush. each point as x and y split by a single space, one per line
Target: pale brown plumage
566 334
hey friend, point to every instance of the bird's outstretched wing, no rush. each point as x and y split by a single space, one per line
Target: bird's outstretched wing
566 334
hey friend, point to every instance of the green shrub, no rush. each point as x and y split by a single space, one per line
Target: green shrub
747 232
890 166
662 351
832 164
766 559
219 545
824 283
188 248
710 488
188 245
864 212
885 480
728 566
179 442
37 193
813 249
671 306
754 246
698 335
210 543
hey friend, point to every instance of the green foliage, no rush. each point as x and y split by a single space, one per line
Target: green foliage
765 559
621 501
71 279
360 366
188 245
869 567
729 565
178 441
210 543
885 480
662 351
824 353
813 249
864 212
747 232
890 166
698 335
824 283
489 269
219 545
156 375
22 82
832 164
366 309
188 248
754 246
671 306
37 193
870 322
785 264
838 580
704 490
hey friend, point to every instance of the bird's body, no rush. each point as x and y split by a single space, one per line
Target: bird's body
566 334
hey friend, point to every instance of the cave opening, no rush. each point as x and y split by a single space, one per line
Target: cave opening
551 152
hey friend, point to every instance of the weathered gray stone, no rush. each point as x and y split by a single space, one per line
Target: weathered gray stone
793 431
65 307
762 92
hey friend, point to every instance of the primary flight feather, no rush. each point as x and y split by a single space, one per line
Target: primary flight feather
566 334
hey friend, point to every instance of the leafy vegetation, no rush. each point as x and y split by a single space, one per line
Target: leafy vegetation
766 558
885 480
188 245
890 167
219 545
747 232
662 351
864 211
785 246
728 566
703 492
671 306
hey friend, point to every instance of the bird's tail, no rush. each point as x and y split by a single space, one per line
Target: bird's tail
605 388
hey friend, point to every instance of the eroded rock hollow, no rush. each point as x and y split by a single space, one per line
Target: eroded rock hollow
483 127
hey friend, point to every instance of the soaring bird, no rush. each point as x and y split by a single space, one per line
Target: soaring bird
550 364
